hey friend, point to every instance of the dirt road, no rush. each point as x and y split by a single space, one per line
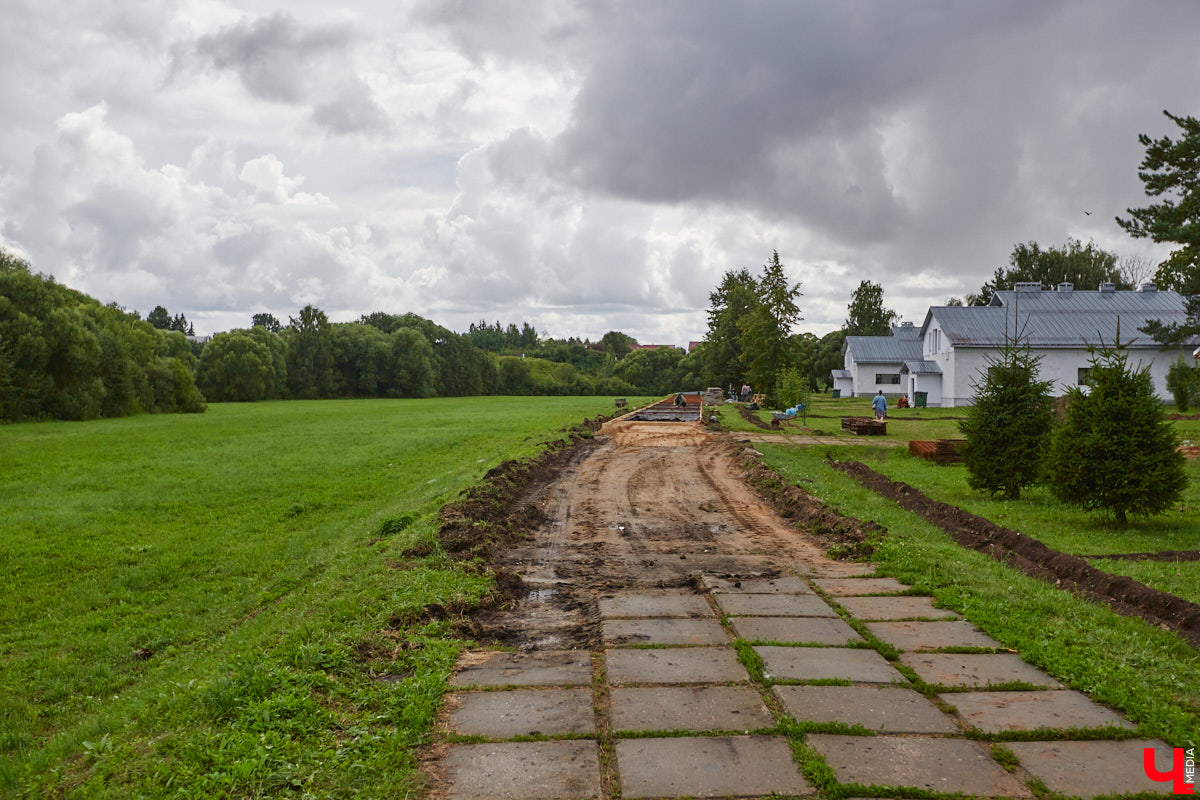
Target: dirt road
648 505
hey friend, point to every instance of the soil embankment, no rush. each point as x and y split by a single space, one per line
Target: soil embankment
1122 594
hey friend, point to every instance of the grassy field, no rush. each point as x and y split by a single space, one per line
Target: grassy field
825 418
200 606
1151 675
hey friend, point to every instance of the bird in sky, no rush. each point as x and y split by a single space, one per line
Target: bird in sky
1088 213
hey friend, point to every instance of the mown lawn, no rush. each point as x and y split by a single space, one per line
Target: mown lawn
825 418
1149 674
200 605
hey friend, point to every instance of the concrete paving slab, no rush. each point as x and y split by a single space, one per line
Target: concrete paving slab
995 712
542 668
664 631
913 635
824 663
675 665
689 708
895 607
523 771
836 569
787 584
774 605
936 765
523 712
708 766
1088 769
975 669
850 587
884 709
795 630
655 604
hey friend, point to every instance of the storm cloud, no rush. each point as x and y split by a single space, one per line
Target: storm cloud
582 166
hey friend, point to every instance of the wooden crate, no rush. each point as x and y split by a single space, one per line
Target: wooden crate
864 426
943 451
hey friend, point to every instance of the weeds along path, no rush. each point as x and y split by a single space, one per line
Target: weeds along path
645 504
1124 595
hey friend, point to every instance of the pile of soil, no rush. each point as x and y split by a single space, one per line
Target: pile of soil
498 510
752 417
844 537
1124 595
1161 555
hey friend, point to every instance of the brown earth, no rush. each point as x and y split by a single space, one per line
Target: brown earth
641 504
1124 595
652 504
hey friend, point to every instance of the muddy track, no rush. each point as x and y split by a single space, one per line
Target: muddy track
1124 595
642 504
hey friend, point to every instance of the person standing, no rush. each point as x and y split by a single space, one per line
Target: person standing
745 393
879 403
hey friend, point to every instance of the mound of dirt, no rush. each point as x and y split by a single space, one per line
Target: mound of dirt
498 510
752 417
844 537
1124 595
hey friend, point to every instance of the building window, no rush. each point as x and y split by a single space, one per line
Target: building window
1084 372
887 377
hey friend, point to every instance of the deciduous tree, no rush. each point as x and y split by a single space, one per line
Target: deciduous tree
867 316
1084 265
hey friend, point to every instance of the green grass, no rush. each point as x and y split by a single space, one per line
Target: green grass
826 419
1071 530
203 605
1147 673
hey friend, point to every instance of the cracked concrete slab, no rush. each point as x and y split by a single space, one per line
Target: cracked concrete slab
523 712
708 766
523 770
664 631
795 630
975 669
774 605
883 709
935 765
688 708
544 668
825 663
996 712
675 665
914 635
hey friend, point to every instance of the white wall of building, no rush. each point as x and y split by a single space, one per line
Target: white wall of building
964 366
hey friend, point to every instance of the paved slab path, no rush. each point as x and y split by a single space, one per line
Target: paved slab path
829 678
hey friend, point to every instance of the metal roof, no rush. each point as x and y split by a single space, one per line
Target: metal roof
1059 319
906 331
921 368
883 349
1094 302
840 373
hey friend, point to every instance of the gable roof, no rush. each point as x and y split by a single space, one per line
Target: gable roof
883 349
1058 319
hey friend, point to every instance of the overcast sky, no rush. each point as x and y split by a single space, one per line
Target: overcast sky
584 167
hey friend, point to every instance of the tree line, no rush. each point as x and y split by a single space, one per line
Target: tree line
64 355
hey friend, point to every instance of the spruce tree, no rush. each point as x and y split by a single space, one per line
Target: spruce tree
1008 427
1116 452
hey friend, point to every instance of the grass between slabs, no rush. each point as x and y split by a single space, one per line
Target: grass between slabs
242 603
1148 674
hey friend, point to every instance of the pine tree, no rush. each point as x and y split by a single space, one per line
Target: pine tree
1008 427
1116 451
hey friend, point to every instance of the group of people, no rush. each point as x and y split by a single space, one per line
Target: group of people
878 402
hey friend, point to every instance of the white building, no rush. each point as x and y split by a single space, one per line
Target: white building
874 363
956 344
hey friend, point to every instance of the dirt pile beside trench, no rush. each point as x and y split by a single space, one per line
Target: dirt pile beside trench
499 510
844 537
1124 595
